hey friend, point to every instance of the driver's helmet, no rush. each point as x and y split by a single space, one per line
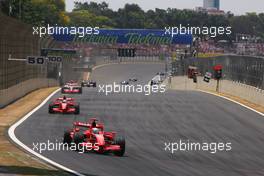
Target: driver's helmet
95 130
64 97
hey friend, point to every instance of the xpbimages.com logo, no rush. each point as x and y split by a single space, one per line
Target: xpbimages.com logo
211 31
118 88
60 30
56 145
192 146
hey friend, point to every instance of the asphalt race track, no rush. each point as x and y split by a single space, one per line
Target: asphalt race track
147 122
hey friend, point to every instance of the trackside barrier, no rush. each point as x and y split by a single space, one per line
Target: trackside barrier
250 93
19 90
247 70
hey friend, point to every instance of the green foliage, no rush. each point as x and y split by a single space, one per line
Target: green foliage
132 16
36 12
86 18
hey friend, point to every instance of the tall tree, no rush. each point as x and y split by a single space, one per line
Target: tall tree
37 12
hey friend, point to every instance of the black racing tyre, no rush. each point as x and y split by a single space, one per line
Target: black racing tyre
78 139
122 143
195 79
51 109
77 109
62 90
67 137
80 90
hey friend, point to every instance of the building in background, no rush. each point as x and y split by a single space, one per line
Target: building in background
210 11
211 4
211 7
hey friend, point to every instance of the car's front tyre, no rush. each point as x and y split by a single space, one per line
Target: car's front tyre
122 143
51 109
78 139
67 137
62 90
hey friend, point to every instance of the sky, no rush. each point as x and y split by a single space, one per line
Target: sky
238 7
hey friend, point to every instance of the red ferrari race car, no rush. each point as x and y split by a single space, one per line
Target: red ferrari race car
72 83
71 88
92 134
64 105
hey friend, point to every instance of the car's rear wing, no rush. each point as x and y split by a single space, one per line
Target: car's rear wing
81 124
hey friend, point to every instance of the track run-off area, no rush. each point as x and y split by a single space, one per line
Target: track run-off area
148 122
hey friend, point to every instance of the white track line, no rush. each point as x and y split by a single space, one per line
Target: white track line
98 66
234 101
11 133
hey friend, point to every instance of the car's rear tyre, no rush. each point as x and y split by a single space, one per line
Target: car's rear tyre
51 109
67 137
77 109
80 90
78 139
122 143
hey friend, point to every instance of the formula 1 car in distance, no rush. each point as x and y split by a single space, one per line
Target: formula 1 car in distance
133 79
71 88
154 82
64 105
83 134
88 83
161 74
71 83
124 83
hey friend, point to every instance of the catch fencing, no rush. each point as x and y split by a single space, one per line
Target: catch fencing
246 70
17 78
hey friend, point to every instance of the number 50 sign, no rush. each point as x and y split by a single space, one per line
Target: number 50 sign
39 60
32 60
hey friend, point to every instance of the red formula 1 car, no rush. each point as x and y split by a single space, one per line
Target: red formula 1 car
72 83
71 88
93 134
64 105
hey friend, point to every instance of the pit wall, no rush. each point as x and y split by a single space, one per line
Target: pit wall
246 92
